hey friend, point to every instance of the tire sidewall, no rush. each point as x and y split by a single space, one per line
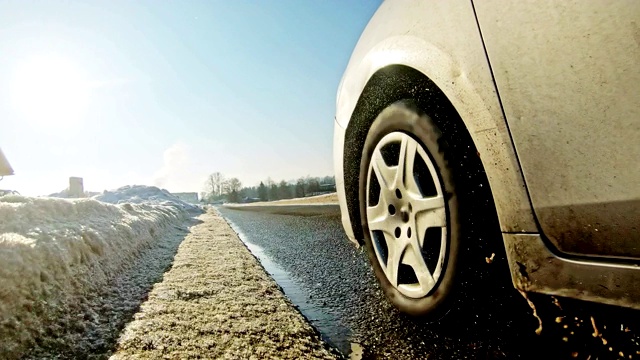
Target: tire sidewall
406 117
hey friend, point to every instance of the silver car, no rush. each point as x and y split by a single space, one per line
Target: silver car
454 117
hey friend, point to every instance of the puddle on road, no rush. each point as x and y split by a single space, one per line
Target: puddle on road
328 325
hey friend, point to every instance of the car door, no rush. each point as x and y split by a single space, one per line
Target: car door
568 76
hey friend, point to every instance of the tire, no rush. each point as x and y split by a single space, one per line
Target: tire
414 203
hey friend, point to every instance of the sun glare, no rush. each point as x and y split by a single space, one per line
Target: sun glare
50 91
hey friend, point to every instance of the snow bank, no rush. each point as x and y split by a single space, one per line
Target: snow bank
143 194
55 251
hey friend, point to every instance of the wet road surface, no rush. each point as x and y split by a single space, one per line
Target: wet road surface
338 281
332 283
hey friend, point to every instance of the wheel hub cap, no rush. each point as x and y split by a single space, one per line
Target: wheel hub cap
406 214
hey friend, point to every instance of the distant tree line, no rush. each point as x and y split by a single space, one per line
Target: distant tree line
218 188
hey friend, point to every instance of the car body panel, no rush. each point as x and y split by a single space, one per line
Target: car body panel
338 150
567 74
443 43
534 268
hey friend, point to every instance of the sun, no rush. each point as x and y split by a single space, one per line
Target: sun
50 91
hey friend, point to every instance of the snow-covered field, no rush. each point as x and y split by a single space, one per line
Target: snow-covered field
325 199
140 194
54 253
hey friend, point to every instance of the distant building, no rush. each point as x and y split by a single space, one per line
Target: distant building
190 197
322 190
76 187
327 187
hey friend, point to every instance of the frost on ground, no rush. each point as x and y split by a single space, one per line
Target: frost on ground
218 302
56 254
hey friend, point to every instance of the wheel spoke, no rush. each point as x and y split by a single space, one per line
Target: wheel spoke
434 218
443 245
429 219
413 257
377 218
375 213
401 162
404 176
425 204
384 174
393 262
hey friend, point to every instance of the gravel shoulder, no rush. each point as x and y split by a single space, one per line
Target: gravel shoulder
218 302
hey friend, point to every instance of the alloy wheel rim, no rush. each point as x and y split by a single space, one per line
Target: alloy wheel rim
407 215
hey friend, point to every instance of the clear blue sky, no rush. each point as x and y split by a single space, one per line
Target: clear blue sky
165 92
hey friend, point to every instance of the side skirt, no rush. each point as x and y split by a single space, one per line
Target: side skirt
536 269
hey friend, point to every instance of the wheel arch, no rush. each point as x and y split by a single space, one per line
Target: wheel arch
387 85
397 82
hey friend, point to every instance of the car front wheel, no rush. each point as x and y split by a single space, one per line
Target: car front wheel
409 210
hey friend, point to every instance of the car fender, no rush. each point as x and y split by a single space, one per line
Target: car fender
451 56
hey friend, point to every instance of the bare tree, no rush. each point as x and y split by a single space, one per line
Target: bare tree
214 185
232 189
234 184
210 186
217 181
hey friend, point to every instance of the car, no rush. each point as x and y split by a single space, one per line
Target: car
522 118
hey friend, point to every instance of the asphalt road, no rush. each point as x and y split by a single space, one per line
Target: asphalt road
332 283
